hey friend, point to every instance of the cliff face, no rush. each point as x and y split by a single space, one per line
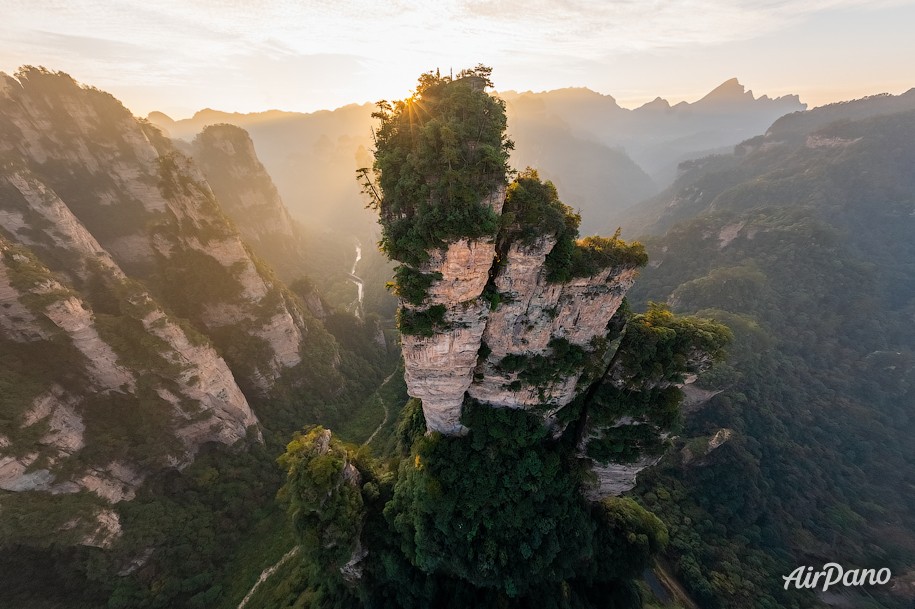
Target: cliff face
502 305
248 196
439 368
535 312
470 356
125 296
146 206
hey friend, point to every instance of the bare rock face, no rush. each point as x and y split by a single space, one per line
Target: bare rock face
439 368
534 312
87 176
200 377
93 203
614 479
464 267
442 369
225 154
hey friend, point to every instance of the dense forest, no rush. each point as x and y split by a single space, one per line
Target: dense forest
763 359
800 243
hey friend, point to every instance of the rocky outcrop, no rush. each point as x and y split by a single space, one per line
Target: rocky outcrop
613 479
465 358
95 208
439 368
533 312
73 317
78 172
696 448
225 154
196 377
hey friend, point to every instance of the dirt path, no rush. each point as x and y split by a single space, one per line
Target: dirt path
384 405
265 574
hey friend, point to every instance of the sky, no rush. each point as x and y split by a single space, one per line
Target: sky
179 56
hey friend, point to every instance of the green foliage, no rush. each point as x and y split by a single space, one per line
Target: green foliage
28 370
189 519
656 350
653 411
564 359
532 209
660 347
412 285
629 537
133 428
587 257
817 286
437 155
323 495
411 426
423 322
211 281
497 508
66 519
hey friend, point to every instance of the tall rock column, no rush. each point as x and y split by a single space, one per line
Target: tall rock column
440 169
439 368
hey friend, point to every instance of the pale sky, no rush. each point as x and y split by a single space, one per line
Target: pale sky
179 56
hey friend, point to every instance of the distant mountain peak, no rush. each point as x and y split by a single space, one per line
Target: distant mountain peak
658 103
159 118
728 91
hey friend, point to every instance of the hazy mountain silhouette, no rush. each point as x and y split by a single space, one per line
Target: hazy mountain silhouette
800 240
657 135
603 157
702 180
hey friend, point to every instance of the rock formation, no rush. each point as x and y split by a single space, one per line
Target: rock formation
504 305
126 295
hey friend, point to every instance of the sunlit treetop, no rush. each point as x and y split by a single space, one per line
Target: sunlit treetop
438 154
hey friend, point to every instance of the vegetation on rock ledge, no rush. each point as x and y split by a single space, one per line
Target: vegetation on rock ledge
438 154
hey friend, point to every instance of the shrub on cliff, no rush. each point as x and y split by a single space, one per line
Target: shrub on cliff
438 153
533 210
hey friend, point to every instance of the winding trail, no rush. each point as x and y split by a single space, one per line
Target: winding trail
265 574
384 404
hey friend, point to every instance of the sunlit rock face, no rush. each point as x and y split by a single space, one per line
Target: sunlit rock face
534 311
464 358
439 368
79 160
111 240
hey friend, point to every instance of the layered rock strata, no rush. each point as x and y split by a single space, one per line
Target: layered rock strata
72 153
111 241
532 312
463 359
439 368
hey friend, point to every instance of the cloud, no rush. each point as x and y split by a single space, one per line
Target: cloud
374 48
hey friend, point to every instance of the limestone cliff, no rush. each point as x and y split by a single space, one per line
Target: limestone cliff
486 346
148 208
90 367
248 196
502 304
439 368
132 312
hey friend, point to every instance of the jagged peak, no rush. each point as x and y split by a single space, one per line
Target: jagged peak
581 93
728 91
658 103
